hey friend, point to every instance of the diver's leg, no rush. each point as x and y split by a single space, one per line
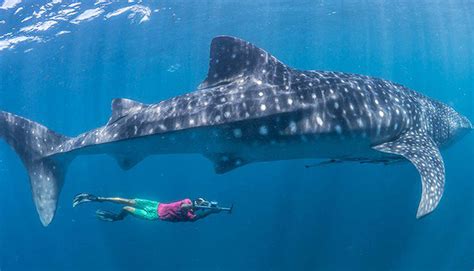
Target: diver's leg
83 197
110 216
117 200
147 213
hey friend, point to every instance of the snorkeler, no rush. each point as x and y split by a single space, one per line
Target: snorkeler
180 211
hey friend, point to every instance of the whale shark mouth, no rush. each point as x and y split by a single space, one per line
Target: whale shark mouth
468 123
463 123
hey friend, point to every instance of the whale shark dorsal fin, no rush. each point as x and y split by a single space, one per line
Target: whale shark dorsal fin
122 107
421 151
232 58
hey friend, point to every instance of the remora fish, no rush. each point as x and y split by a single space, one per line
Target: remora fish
254 108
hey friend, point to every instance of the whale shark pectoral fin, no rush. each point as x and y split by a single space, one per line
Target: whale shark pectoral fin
225 162
123 107
421 151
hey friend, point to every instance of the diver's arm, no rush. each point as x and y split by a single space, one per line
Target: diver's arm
203 213
186 206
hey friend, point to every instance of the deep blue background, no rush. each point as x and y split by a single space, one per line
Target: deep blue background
343 217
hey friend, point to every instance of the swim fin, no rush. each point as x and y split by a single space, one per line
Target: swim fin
83 197
107 216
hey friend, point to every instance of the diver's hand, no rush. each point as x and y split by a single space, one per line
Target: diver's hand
83 197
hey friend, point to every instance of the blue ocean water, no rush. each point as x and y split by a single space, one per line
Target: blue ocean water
345 217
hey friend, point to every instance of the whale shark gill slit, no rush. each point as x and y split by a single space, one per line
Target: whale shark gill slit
421 151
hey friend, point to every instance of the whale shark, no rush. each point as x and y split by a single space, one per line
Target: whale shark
254 108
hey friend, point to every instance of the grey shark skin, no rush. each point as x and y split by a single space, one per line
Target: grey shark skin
253 108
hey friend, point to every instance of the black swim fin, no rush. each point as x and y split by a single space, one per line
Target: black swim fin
83 197
107 216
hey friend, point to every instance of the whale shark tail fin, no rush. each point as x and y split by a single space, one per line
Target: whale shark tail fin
35 145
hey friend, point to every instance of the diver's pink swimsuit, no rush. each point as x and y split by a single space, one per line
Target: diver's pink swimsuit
172 211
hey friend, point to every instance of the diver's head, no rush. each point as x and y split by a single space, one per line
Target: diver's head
198 201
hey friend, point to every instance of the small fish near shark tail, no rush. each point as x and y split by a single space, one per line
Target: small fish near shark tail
32 142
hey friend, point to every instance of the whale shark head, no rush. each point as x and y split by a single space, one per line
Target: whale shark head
447 125
465 123
460 126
